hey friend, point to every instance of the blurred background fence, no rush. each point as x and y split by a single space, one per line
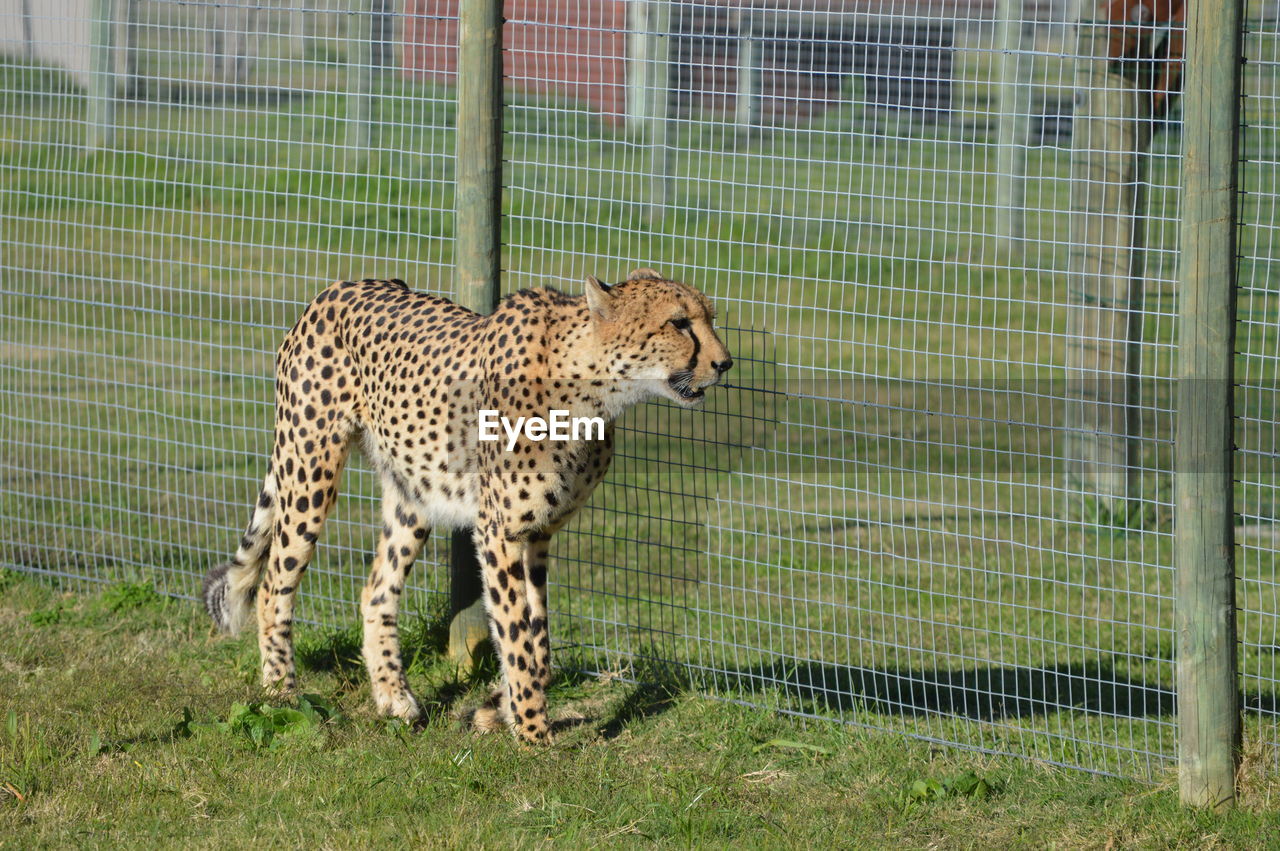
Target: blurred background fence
942 236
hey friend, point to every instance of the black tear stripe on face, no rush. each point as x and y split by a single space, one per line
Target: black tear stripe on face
697 347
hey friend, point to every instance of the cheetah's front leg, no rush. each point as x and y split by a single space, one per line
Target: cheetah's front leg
525 671
486 717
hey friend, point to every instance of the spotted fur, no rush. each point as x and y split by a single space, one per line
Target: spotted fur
403 375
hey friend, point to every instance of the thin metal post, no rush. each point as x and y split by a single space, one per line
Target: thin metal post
1208 685
102 80
478 228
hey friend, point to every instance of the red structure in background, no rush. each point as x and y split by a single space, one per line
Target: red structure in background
573 48
577 50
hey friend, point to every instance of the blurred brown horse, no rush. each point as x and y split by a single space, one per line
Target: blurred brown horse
1153 31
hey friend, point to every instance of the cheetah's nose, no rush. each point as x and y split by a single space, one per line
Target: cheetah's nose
722 366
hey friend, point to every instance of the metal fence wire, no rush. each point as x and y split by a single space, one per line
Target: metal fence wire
936 497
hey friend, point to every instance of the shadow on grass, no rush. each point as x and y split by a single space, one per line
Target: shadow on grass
655 686
339 650
206 94
334 651
980 694
424 644
645 700
987 693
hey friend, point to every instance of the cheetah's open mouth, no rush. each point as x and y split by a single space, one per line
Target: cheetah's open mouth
682 385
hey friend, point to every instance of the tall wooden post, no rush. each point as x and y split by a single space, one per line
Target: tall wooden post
102 79
359 82
1014 92
1110 136
1208 686
478 233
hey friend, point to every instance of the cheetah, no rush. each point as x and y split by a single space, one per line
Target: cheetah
405 374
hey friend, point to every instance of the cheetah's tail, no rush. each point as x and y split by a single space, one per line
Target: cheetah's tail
231 587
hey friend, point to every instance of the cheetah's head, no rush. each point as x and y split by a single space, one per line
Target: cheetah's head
656 334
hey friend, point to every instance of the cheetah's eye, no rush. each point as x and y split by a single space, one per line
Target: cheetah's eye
682 324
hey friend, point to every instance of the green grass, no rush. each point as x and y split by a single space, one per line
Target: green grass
126 723
919 553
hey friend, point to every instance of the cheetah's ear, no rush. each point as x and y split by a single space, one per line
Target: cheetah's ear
644 273
599 299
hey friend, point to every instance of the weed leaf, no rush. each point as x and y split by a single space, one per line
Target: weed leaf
262 724
966 785
791 744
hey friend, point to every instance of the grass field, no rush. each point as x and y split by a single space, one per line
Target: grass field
872 524
119 727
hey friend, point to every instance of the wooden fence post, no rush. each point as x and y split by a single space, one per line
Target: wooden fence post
747 102
301 26
1111 133
478 228
1014 90
649 92
359 82
28 40
1208 685
102 76
382 34
231 40
132 36
643 50
660 110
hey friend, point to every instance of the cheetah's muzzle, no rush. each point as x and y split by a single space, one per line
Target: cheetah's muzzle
682 384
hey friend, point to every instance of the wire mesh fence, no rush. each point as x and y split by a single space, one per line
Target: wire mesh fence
936 498
1258 584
